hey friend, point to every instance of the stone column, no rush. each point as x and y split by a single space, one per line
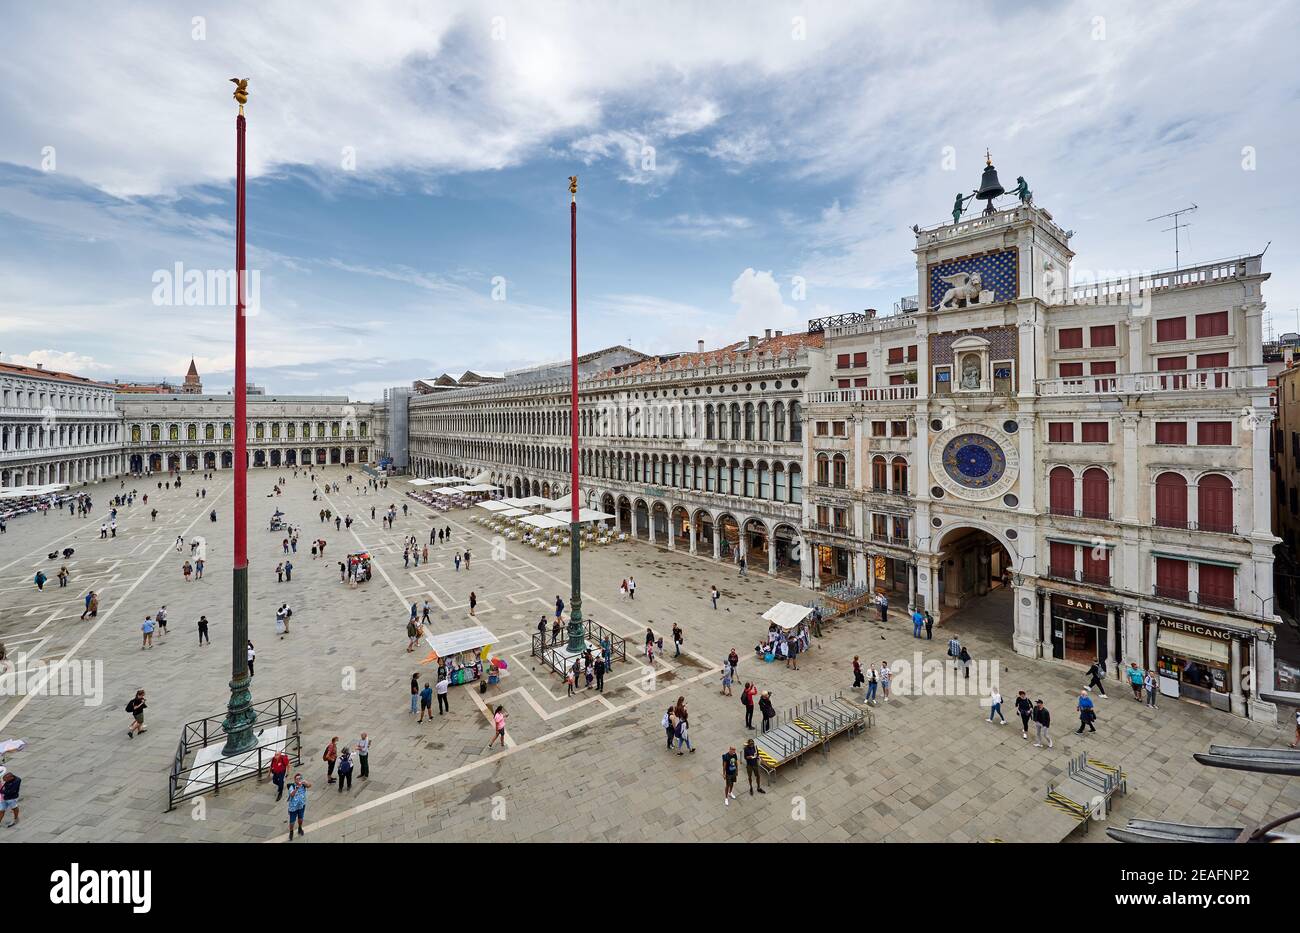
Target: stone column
771 554
1237 702
1111 664
695 538
911 586
1261 710
1045 627
717 541
1024 639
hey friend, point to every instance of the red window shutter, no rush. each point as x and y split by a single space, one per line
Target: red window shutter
897 379
1102 368
1096 493
1214 433
895 354
1171 328
1070 338
1062 558
1171 578
1096 432
911 353
1214 503
842 383
1060 432
1071 370
860 382
1096 565
1103 335
1172 364
1061 491
842 361
859 359
1211 360
1171 432
1171 500
1216 585
1214 324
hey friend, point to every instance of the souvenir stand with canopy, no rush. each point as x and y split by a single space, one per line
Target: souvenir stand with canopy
467 654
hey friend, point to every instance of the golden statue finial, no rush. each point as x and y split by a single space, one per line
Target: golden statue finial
241 91
573 186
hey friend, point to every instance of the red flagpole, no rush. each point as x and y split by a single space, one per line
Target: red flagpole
577 631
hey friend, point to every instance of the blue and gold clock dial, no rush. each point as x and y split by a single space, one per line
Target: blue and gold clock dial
974 461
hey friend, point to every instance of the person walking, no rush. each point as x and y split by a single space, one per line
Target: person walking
1042 725
747 700
734 660
964 657
858 679
203 631
1087 713
1149 683
363 755
559 608
726 679
765 707
886 678
995 701
440 688
279 768
740 562
954 647
884 607
1094 678
730 769
90 595
684 736
669 726
457 559
412 635
677 640
1025 710
252 658
631 587
599 667
473 601
1296 743
136 708
426 703
147 629
288 571
929 626
555 632
415 692
918 621
751 768
713 595
345 767
1136 680
297 803
498 723
331 757
9 790
63 576
467 558
541 631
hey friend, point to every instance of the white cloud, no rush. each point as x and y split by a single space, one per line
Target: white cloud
63 361
758 302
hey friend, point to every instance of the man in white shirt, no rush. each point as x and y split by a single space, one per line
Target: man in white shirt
363 754
441 690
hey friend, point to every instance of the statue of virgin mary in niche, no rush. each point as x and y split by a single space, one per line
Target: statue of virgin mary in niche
970 372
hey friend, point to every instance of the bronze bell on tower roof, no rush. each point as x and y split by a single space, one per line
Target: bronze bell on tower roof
990 187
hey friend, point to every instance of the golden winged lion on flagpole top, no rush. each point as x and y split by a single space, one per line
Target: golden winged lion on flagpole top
241 90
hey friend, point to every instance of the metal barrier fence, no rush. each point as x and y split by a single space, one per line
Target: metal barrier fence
552 657
186 782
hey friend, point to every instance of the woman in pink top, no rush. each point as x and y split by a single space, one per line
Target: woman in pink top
499 724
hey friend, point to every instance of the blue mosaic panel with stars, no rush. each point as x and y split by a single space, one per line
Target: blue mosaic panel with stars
999 272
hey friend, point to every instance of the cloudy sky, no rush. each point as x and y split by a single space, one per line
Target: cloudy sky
407 202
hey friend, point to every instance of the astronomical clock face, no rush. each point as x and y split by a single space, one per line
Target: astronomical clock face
974 461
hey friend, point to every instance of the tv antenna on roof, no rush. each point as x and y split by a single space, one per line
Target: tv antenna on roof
1176 227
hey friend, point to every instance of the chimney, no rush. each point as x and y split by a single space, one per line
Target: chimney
699 346
767 334
780 333
752 341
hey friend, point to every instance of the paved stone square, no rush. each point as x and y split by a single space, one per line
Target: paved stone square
592 767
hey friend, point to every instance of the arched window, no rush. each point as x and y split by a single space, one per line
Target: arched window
1096 493
1060 492
839 471
749 421
823 470
1214 503
796 484
135 433
173 432
209 432
879 474
225 432
778 421
750 487
735 421
898 469
155 432
708 474
1171 500
796 422
763 414
192 432
778 483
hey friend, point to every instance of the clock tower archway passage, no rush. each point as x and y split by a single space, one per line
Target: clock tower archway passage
973 578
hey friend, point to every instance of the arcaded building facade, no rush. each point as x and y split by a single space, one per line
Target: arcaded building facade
56 428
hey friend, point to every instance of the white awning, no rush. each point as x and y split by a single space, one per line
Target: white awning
513 513
420 482
584 515
1192 646
493 505
787 615
466 639
559 502
544 521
